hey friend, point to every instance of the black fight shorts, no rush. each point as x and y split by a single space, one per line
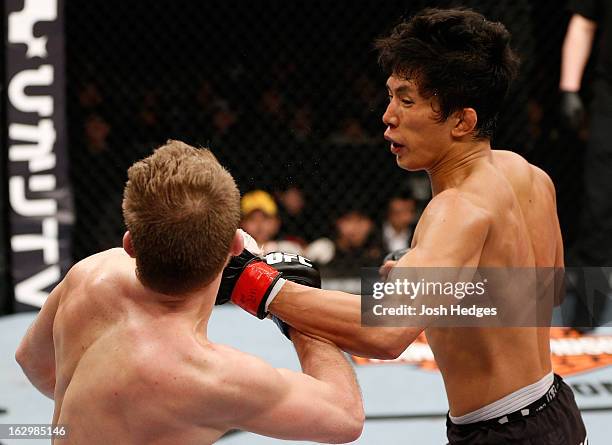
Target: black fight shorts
554 419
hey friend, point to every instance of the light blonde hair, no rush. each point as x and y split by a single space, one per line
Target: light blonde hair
182 209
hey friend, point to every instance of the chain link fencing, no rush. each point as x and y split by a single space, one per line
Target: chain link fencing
287 95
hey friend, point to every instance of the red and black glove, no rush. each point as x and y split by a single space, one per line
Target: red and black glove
248 282
252 282
294 268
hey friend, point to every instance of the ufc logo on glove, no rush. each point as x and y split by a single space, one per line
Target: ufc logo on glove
281 257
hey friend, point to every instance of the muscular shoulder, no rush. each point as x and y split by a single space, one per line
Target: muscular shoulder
451 231
541 179
520 173
103 268
95 264
459 207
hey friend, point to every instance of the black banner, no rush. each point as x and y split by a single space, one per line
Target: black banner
38 189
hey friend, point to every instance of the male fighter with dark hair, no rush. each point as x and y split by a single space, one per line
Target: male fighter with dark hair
449 72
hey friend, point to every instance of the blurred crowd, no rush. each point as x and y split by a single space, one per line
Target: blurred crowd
280 222
300 191
289 97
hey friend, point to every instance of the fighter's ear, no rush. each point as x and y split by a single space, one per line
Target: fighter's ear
466 120
237 245
127 244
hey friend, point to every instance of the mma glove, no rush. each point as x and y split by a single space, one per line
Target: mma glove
294 268
252 282
248 281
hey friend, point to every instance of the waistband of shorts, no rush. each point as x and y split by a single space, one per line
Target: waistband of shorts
527 411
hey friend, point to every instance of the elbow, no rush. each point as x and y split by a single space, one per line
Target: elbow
352 429
390 354
346 424
358 420
391 351
24 360
397 348
350 435
389 346
21 356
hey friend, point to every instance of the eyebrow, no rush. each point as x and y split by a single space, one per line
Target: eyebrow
402 89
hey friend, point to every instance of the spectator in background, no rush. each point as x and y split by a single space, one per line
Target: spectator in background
301 124
90 97
223 120
369 99
351 132
397 226
356 242
260 219
594 243
148 122
97 131
296 222
272 107
208 104
205 96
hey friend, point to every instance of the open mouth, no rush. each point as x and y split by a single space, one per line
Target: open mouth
396 148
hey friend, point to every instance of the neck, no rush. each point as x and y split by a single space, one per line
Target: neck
458 163
193 307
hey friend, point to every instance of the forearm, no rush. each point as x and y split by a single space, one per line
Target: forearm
328 364
338 394
576 51
336 316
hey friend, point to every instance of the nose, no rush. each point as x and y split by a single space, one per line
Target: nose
389 117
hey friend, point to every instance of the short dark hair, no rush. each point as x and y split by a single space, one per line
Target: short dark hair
456 55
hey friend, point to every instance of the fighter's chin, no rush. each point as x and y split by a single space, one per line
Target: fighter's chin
404 162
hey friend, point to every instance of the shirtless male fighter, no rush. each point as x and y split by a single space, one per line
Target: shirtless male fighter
121 343
449 71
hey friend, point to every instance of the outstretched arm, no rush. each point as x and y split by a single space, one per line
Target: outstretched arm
336 316
452 232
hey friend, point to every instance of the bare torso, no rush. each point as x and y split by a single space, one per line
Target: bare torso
129 370
481 365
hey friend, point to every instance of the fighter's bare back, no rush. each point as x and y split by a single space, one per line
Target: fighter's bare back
135 366
126 358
